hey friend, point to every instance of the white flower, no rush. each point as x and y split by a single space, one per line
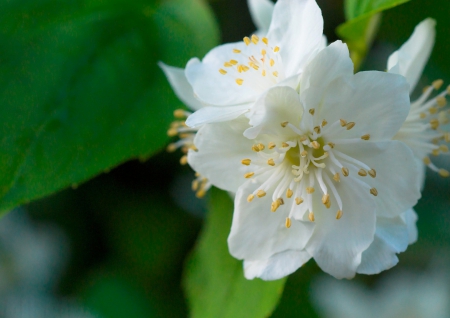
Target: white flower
231 77
421 129
322 157
403 294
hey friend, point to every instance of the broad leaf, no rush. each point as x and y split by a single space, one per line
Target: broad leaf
214 281
363 17
80 91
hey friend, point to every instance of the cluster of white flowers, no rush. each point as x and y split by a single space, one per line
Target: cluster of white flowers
324 163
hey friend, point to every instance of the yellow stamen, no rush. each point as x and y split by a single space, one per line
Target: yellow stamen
437 84
365 137
312 111
423 115
233 62
172 132
239 81
260 147
374 192
284 124
183 160
179 113
271 162
325 199
249 175
443 148
288 223
337 177
265 40
284 144
350 125
315 144
441 101
272 62
271 145
304 153
263 73
372 173
362 172
246 162
345 172
255 148
260 193
276 49
289 193
275 205
317 129
434 123
310 190
275 74
331 145
236 51
324 123
171 148
247 40
222 71
227 64
433 110
255 39
250 197
311 216
343 122
444 173
298 200
338 214
426 161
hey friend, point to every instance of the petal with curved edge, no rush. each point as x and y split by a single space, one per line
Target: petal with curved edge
377 102
412 56
337 245
218 89
297 28
181 86
278 106
330 63
211 114
410 218
261 12
397 174
391 238
257 233
277 266
221 148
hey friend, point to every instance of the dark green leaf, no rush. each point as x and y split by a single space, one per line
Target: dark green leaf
80 91
214 281
363 18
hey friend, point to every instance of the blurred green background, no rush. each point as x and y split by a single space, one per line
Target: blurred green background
131 229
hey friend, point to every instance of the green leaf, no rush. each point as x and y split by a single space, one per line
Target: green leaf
80 91
214 281
364 17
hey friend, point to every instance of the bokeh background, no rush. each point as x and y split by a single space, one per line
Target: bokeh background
116 245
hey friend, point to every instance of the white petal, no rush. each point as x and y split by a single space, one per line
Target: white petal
257 233
412 56
391 238
181 86
210 85
277 266
336 245
330 63
213 114
377 102
410 217
261 12
297 28
278 105
221 148
397 174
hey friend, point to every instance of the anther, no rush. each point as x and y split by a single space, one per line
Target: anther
271 145
172 132
284 124
284 144
434 123
260 193
374 192
239 81
345 172
337 177
435 152
222 71
311 216
325 199
255 39
271 162
263 52
362 172
276 49
423 115
315 144
328 205
350 125
200 193
437 84
275 74
171 148
280 201
443 148
195 185
317 129
312 111
289 193
227 64
236 51
448 89
324 123
272 62
372 173
365 137
331 145
246 162
183 160
310 190
247 40
444 173
288 223
441 101
265 40
304 153
233 62
255 148
263 73
298 200
179 113
338 214
260 147
275 205
433 110
249 175
250 197
343 122
426 161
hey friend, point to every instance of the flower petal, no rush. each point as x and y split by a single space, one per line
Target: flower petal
391 238
213 114
278 105
412 56
261 12
277 266
410 217
397 174
210 85
337 245
221 148
297 28
181 86
257 234
377 102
